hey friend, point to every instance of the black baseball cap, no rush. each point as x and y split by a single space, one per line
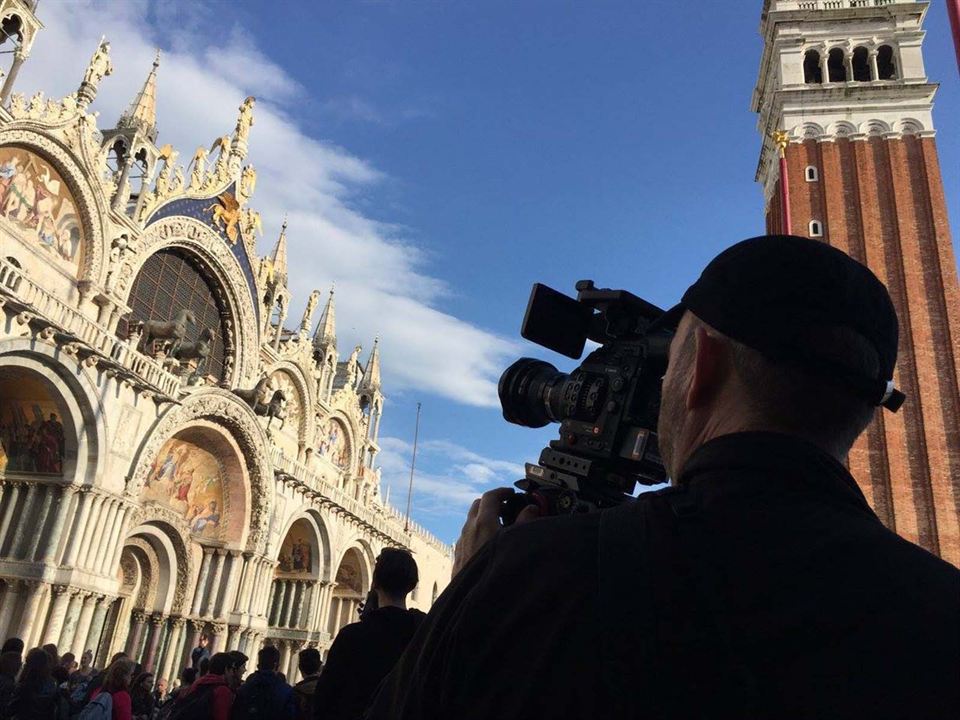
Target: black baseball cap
766 292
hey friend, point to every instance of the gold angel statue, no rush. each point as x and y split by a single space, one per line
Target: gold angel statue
226 215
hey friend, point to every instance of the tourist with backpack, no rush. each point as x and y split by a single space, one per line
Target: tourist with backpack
111 701
211 696
265 694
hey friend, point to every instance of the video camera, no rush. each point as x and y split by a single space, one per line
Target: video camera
607 408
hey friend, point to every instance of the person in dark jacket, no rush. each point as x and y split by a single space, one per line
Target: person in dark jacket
10 664
36 696
265 694
309 664
210 696
364 652
200 652
760 585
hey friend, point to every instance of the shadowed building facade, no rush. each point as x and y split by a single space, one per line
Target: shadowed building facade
174 461
843 84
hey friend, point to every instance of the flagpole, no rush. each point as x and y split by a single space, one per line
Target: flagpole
413 463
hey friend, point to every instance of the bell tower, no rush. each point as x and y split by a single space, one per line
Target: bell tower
849 156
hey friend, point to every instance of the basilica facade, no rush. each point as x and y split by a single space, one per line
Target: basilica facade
182 452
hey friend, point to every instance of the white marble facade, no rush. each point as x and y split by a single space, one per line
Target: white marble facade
173 461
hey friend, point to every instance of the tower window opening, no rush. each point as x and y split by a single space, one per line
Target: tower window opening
886 65
861 65
812 74
11 29
836 70
812 174
816 229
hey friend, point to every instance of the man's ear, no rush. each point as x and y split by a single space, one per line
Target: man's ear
709 369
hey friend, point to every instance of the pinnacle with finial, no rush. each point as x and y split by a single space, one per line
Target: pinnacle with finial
280 252
327 327
142 113
371 374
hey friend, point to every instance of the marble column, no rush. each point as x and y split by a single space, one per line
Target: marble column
276 611
78 530
287 604
233 636
95 637
113 558
213 597
11 597
90 530
202 580
9 503
245 577
70 624
58 613
173 650
19 57
326 602
30 624
874 67
292 667
106 542
83 625
268 574
34 530
138 622
284 648
298 615
64 504
96 542
24 522
258 605
157 625
217 637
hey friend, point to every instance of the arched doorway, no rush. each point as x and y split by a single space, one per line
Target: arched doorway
293 597
352 586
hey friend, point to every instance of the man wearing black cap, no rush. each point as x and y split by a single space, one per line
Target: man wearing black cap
760 585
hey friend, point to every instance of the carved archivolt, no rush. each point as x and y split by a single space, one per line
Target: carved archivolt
197 238
226 410
91 205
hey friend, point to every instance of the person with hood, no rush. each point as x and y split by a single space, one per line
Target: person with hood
210 696
36 696
365 652
265 694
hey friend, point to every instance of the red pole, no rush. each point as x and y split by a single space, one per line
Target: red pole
785 196
953 9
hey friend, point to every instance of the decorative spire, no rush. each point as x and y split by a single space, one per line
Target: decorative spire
327 327
371 373
142 113
280 253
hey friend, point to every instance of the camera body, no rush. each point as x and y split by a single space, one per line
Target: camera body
607 407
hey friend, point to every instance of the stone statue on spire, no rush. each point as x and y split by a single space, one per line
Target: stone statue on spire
312 302
244 123
99 67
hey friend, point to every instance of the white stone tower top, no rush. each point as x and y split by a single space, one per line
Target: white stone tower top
841 68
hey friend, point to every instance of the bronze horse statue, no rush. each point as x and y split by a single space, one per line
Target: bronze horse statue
174 330
272 409
199 350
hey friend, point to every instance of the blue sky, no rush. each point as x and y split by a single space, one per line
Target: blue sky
436 158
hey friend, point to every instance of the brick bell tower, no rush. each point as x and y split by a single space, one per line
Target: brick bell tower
849 156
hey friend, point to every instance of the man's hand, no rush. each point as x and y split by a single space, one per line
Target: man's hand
483 522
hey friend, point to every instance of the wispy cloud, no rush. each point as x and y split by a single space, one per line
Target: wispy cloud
465 475
384 284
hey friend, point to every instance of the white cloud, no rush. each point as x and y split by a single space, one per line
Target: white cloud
466 476
383 284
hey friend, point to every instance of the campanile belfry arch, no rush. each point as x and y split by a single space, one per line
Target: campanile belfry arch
844 89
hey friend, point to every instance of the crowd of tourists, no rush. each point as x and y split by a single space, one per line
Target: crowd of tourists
44 685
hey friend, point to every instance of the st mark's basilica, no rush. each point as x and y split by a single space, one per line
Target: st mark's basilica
174 461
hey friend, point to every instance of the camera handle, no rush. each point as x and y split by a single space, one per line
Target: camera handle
514 505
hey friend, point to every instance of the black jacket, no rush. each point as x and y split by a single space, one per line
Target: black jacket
762 586
361 656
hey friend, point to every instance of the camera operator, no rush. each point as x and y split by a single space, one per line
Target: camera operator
760 584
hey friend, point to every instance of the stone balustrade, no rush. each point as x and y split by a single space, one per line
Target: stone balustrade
785 5
90 334
382 519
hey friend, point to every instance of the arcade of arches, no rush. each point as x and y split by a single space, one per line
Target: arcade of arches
178 454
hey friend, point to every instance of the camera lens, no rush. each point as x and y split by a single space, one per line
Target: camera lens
527 393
